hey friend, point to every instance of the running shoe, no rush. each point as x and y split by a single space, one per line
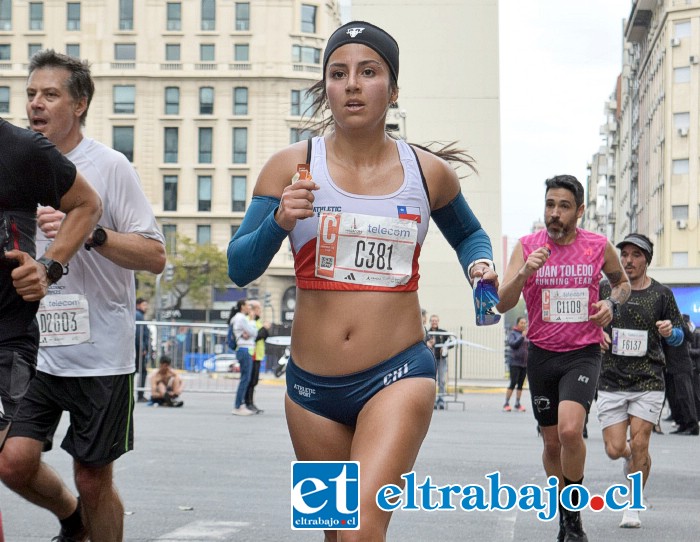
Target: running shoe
626 465
630 520
520 408
574 529
506 408
242 411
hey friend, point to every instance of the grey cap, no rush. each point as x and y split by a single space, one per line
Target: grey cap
640 241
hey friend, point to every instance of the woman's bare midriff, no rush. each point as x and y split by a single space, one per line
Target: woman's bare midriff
336 333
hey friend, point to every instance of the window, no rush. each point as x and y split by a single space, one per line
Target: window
234 229
203 235
301 102
33 48
36 15
681 120
238 188
5 14
73 16
124 51
172 52
679 259
4 99
308 18
242 16
126 14
124 99
307 55
174 10
240 101
169 192
240 145
73 49
172 100
204 193
681 29
681 75
679 212
206 52
206 100
170 235
208 15
681 167
171 144
297 134
123 141
241 52
5 51
205 145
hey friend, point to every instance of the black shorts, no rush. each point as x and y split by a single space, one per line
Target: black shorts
561 376
16 371
101 415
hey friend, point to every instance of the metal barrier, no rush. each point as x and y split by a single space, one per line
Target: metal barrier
198 350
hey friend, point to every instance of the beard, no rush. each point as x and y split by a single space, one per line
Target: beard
557 234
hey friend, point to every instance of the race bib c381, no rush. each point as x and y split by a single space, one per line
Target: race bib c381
365 249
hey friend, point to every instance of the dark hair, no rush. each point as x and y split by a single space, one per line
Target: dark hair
319 110
140 300
568 182
79 83
166 359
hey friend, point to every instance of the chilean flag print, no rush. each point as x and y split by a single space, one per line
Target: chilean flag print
409 213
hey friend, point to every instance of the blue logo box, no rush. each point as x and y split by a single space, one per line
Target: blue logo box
325 495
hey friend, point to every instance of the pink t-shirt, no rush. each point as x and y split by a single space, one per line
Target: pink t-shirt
559 297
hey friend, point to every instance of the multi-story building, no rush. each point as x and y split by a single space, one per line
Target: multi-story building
196 93
199 93
651 185
449 91
660 129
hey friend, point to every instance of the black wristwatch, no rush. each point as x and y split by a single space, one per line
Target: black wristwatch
615 306
54 269
99 238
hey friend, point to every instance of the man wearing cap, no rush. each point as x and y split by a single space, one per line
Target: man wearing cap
631 384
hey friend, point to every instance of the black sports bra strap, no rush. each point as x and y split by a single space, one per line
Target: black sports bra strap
308 151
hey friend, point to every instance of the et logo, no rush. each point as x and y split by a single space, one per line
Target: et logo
325 495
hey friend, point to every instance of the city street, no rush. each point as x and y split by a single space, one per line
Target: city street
200 474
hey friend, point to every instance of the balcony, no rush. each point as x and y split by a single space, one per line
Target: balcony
639 21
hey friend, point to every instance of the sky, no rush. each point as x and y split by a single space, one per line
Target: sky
559 60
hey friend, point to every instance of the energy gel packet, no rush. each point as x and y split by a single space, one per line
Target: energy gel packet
485 299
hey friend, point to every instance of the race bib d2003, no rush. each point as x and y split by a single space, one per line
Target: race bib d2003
63 320
364 249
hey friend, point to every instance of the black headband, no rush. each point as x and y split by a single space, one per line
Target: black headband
369 35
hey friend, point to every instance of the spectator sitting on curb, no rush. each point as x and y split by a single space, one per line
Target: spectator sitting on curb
166 385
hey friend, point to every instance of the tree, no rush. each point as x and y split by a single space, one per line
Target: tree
191 272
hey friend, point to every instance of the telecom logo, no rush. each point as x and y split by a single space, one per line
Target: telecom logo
325 495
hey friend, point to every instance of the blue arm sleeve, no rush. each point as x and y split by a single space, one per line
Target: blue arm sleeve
463 231
256 242
676 337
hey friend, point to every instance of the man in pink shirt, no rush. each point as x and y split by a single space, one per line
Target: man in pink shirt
558 271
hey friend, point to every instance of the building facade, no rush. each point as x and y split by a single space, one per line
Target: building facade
645 176
196 93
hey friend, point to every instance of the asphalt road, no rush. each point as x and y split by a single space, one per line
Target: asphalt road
200 474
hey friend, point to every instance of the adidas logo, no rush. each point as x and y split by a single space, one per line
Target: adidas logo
351 276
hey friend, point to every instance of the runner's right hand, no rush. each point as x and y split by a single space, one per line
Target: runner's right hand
296 203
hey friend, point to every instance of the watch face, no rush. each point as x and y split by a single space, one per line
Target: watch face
54 271
99 237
